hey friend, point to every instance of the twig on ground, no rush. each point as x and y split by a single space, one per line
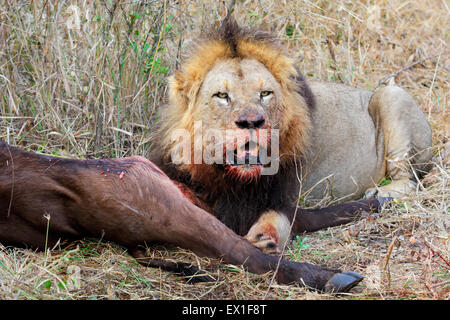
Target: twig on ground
393 75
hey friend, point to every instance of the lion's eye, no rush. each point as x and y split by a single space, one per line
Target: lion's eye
265 93
222 95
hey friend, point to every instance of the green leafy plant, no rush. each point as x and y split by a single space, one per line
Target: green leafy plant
299 244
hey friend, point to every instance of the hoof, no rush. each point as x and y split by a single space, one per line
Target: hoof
343 282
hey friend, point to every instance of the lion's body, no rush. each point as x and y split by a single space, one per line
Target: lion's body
347 151
334 140
343 158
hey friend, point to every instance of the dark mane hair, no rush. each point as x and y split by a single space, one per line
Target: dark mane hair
230 32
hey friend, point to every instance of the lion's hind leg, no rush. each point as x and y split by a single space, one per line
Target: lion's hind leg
405 136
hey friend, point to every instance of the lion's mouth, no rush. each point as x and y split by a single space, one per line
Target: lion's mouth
247 154
246 162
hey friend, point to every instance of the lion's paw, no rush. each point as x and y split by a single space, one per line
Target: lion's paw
382 193
396 189
264 236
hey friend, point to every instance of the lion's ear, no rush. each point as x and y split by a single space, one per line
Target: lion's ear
302 88
176 90
183 92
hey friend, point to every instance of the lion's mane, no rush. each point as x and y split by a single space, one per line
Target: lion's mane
230 41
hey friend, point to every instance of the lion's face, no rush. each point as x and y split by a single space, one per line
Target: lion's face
244 84
241 98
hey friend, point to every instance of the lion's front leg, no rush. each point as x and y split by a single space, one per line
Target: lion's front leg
270 232
273 228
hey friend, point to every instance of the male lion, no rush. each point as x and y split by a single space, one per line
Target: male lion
333 139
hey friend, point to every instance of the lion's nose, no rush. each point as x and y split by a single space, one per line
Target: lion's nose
250 121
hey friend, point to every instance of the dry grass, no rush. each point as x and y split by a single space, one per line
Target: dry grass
95 92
